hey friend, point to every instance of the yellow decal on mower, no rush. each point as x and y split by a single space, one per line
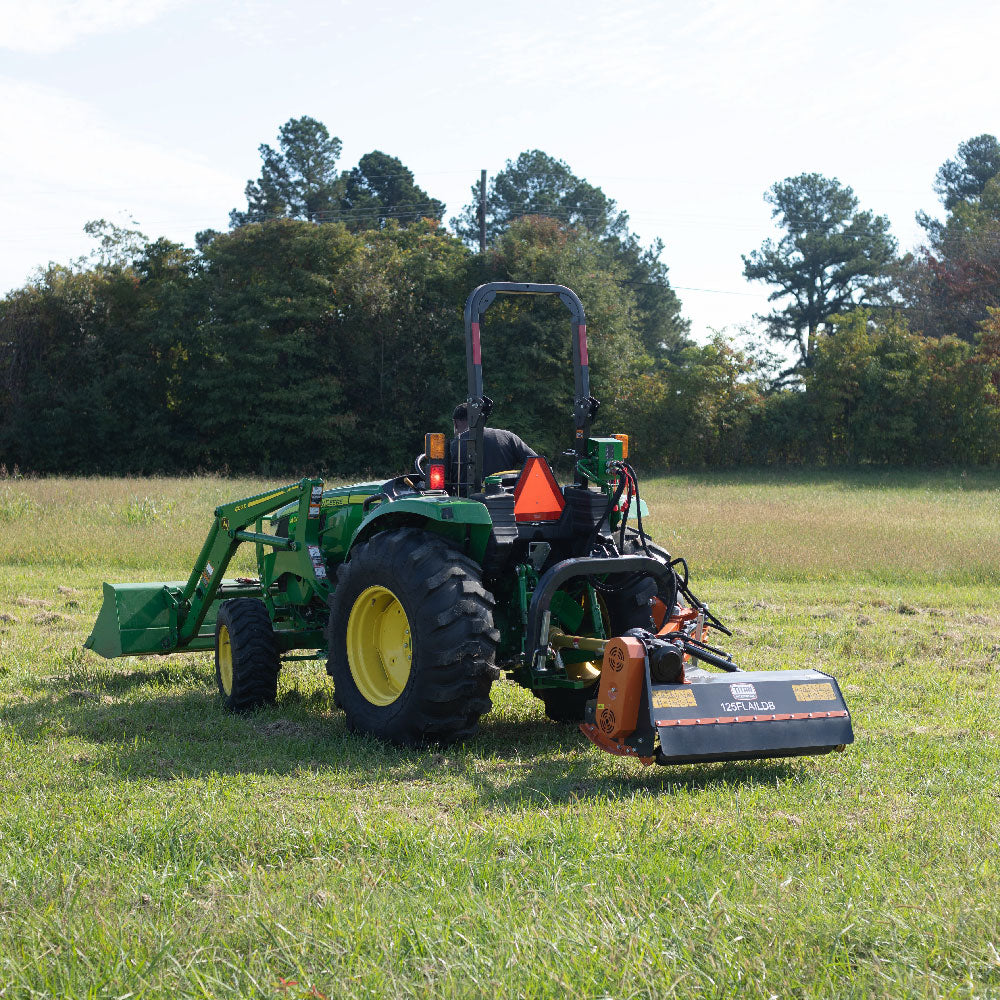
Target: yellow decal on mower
678 698
814 692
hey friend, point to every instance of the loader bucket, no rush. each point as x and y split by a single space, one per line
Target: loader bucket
748 715
136 618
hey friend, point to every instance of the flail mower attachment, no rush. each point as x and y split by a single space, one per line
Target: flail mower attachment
652 702
650 705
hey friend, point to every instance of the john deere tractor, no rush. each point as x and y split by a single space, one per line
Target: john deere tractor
419 590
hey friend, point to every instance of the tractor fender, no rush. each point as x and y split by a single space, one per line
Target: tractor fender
465 523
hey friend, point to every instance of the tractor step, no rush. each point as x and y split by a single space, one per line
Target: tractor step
748 715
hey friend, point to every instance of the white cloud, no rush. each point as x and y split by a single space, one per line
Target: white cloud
45 26
65 164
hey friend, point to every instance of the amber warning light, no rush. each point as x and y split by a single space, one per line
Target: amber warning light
434 450
434 447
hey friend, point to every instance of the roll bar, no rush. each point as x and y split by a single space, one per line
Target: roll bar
479 405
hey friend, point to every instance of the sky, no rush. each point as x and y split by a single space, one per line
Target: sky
683 112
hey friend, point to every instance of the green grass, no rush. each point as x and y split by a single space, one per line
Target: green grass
152 846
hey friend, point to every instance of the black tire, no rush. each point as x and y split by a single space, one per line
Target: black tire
628 608
254 662
632 610
452 641
631 607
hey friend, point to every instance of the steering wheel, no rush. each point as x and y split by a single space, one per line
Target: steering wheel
392 489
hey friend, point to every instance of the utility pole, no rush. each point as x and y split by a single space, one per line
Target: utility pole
482 212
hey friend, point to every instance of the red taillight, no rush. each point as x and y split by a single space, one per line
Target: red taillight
435 477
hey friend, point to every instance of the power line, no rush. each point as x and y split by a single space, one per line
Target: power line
562 213
719 291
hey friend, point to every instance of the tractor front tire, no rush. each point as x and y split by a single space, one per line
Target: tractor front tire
411 639
247 659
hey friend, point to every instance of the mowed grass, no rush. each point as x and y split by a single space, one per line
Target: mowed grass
151 845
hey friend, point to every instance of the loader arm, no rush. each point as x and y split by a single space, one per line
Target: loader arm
228 532
143 618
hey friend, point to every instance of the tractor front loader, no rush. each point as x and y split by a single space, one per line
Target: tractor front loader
418 591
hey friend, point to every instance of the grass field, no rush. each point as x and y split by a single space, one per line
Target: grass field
152 846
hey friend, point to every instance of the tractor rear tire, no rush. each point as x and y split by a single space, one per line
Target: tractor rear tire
247 660
411 639
632 607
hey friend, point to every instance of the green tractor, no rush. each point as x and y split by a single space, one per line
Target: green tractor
420 590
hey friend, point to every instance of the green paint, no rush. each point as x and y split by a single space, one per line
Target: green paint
148 618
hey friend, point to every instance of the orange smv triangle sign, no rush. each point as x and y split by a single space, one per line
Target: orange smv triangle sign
537 496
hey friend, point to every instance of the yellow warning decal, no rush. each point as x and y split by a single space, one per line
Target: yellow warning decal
677 698
814 692
257 500
343 500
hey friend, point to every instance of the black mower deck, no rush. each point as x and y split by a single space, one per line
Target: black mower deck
747 715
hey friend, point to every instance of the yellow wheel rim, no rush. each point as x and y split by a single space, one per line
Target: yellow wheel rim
225 660
379 650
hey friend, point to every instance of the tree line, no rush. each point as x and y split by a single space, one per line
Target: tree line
322 332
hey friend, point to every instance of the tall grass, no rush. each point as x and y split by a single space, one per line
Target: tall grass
884 527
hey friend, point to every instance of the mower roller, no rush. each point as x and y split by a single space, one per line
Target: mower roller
419 590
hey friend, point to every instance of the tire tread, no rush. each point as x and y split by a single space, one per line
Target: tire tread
454 663
256 658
